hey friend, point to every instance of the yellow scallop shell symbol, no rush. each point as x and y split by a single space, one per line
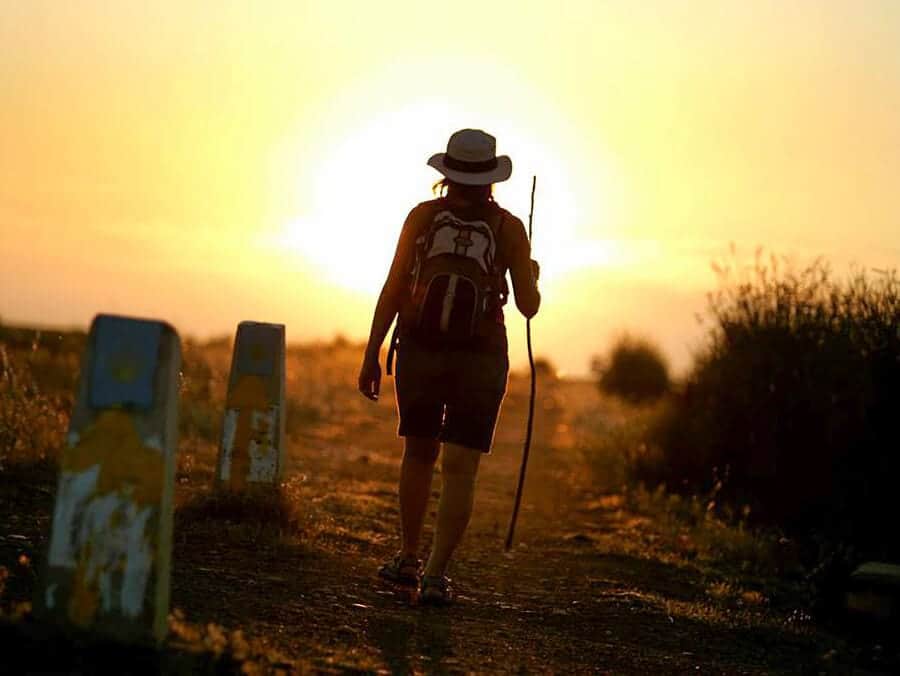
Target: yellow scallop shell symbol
125 369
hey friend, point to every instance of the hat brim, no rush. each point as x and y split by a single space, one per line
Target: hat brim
501 172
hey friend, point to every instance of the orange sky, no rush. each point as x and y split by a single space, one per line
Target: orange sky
212 162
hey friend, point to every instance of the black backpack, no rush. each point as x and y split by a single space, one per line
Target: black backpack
455 283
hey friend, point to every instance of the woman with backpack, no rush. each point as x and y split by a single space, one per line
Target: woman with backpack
447 288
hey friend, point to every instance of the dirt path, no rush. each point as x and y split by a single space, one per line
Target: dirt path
590 586
567 599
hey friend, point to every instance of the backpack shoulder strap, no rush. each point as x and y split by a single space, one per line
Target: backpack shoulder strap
498 231
392 348
429 210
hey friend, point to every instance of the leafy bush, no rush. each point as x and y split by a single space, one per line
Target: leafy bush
635 371
791 405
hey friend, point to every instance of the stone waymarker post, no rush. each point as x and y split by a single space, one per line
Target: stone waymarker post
874 590
110 549
252 450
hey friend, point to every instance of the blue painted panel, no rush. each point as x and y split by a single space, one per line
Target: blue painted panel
126 352
258 348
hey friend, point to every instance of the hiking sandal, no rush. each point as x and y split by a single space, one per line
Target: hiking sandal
436 591
401 570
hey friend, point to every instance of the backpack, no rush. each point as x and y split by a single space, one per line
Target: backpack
455 282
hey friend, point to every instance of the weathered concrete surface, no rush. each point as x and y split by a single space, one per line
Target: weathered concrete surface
252 449
109 557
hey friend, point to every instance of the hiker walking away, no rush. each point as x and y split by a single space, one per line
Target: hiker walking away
447 286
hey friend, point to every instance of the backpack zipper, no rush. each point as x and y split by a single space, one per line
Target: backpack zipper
447 306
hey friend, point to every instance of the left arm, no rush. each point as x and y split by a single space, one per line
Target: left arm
386 309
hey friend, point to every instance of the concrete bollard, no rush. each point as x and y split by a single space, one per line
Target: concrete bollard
252 449
109 557
874 591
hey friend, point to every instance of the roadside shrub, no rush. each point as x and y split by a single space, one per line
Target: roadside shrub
544 368
792 405
635 371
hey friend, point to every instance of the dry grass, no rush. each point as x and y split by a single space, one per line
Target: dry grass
33 423
692 530
268 510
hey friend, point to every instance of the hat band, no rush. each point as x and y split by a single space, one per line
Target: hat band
469 167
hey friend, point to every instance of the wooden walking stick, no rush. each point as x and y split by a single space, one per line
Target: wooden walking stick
515 515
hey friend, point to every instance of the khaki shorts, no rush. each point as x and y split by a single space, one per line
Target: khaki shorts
452 395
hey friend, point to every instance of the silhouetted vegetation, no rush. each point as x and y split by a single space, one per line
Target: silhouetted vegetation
544 368
790 409
34 406
635 371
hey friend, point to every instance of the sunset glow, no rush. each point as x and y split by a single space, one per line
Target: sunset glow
211 163
365 181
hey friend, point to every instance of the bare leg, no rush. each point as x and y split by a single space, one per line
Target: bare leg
415 488
458 469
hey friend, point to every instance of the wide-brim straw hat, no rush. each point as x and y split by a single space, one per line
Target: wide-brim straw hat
471 159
